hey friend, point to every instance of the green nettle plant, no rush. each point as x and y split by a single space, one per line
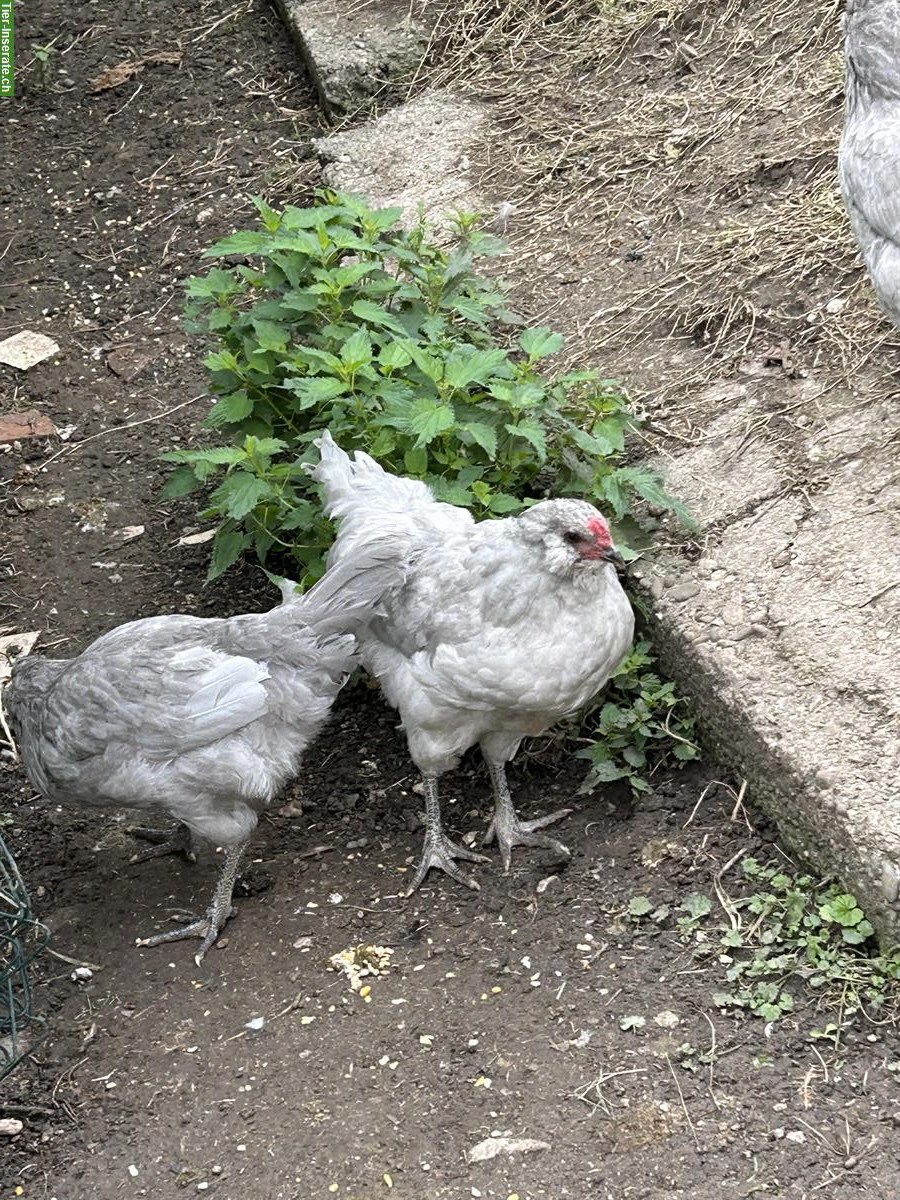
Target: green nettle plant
347 322
337 318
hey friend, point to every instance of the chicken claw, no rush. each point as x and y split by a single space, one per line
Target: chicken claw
210 926
507 828
439 851
164 842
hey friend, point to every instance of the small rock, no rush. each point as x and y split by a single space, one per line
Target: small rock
491 1147
667 1019
81 975
10 1127
26 349
255 1023
684 591
544 883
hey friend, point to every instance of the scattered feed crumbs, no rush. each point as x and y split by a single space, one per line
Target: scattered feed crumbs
360 961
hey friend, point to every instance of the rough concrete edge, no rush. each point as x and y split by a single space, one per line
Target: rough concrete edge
347 76
775 781
784 788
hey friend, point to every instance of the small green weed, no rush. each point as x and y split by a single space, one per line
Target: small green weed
348 322
642 726
42 68
791 929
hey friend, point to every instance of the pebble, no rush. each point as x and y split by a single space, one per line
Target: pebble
684 591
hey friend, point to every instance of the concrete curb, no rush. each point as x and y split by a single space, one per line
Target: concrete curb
356 54
782 633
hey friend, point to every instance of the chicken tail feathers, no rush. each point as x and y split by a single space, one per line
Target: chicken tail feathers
349 594
360 486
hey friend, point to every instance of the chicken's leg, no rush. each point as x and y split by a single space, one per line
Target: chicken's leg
164 841
439 851
209 926
509 830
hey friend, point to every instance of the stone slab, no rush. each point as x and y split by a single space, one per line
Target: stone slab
419 154
357 53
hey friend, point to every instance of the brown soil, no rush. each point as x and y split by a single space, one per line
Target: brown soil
501 1013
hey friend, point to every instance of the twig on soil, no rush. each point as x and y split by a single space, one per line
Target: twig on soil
74 962
596 1085
120 429
683 1105
712 1058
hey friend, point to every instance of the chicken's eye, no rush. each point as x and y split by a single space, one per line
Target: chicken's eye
572 536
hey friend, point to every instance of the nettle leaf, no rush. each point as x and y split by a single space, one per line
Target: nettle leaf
312 390
347 276
382 219
427 363
248 241
540 342
264 446
271 336
393 356
270 218
227 547
357 350
219 455
416 460
376 315
230 410
215 284
450 493
428 420
483 435
240 493
532 432
463 368
502 502
181 482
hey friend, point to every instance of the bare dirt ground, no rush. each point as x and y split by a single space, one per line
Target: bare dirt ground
502 1011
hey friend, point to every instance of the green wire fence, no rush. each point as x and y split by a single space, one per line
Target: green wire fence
22 938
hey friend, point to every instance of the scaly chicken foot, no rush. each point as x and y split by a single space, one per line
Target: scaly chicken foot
507 828
439 851
211 925
165 841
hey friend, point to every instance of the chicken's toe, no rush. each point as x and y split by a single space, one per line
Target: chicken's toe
164 841
512 831
207 927
439 853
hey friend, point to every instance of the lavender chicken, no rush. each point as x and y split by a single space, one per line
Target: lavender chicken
497 630
869 157
205 719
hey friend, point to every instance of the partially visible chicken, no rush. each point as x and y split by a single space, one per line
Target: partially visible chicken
498 630
869 156
204 718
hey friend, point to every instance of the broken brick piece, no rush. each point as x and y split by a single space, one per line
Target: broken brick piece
15 427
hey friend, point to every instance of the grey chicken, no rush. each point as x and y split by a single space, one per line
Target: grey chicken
204 718
869 156
497 631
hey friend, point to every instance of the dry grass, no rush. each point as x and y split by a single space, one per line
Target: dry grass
714 124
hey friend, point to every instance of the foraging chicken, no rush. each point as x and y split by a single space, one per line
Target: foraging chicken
497 631
204 718
869 157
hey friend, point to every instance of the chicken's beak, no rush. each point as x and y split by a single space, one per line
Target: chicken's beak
611 555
